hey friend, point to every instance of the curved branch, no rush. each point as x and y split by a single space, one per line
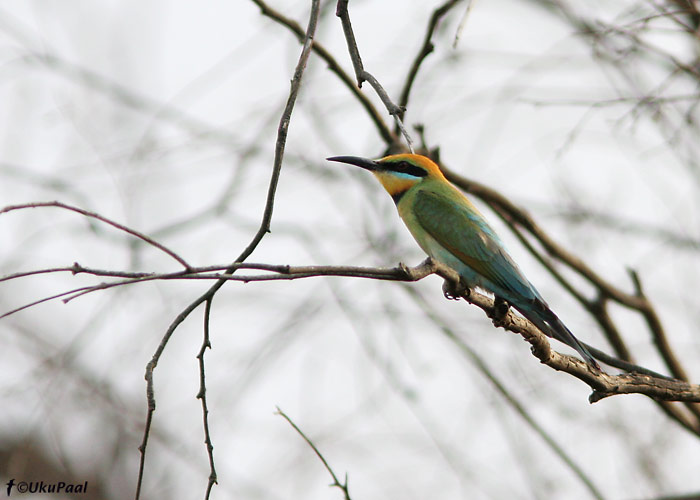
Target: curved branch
603 384
363 75
336 483
425 50
101 218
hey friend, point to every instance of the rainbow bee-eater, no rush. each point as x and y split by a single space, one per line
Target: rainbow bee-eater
450 229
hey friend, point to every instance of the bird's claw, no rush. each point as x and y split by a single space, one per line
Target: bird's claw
454 290
500 310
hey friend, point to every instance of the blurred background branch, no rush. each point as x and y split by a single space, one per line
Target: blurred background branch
575 125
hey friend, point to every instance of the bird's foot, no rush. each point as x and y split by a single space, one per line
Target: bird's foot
500 310
454 290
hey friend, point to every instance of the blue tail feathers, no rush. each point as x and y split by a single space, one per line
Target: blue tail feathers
549 323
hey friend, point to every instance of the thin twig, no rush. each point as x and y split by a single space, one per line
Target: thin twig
101 218
202 396
334 66
283 272
336 483
77 268
47 299
425 50
463 22
264 228
363 75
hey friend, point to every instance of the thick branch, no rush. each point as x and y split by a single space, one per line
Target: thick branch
515 216
603 384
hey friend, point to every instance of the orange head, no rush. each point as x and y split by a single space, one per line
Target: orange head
397 173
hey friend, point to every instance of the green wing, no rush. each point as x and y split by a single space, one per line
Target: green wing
463 232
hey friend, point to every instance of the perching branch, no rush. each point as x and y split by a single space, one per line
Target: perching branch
603 384
658 388
518 219
276 272
515 216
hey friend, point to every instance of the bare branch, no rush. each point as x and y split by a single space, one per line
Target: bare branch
336 483
425 50
364 76
463 22
202 396
101 218
603 384
661 340
644 382
264 229
516 217
283 272
334 66
45 299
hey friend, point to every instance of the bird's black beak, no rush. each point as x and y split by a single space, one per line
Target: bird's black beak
365 163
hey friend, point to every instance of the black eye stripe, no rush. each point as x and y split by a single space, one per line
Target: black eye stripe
405 167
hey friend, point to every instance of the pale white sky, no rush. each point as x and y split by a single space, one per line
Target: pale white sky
162 116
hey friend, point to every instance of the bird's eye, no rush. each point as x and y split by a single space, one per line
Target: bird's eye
405 167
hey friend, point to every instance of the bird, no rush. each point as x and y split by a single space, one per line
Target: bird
452 231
